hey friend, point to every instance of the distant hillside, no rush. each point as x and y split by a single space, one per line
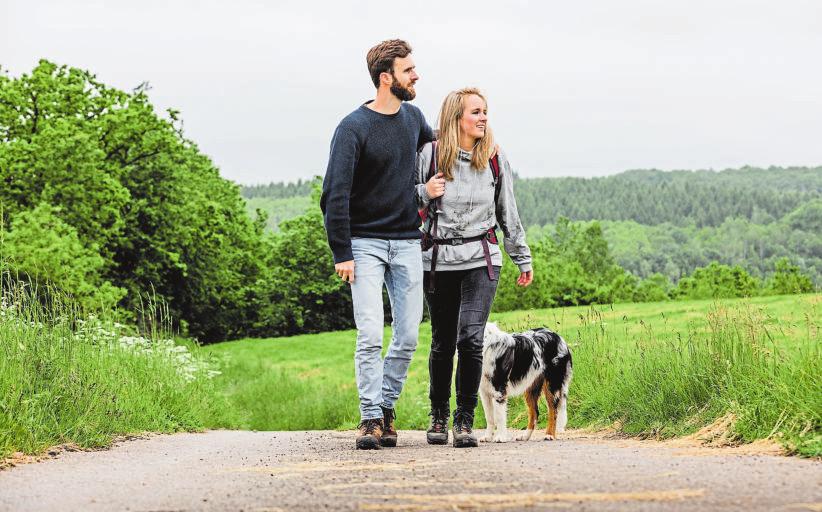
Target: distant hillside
650 197
702 198
277 190
277 209
797 179
676 251
660 222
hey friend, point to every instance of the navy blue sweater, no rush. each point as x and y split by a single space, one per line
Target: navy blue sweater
368 190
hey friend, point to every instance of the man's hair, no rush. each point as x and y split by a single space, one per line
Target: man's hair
380 58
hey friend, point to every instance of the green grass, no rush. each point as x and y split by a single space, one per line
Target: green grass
65 377
656 369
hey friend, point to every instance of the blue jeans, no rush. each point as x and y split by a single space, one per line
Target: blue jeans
398 265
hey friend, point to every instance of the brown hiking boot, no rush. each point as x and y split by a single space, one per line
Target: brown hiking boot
389 434
369 433
463 430
437 433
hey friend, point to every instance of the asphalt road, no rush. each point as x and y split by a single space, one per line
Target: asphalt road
274 471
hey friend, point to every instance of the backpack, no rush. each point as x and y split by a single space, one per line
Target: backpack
430 221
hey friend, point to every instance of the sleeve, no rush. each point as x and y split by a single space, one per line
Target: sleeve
334 202
426 133
423 164
508 218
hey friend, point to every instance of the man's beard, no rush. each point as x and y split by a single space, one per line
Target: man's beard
403 93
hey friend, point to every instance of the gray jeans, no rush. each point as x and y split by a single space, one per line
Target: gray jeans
398 265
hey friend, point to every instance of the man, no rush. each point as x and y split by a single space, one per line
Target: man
372 224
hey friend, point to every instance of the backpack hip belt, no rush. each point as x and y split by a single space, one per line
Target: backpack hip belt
484 238
430 239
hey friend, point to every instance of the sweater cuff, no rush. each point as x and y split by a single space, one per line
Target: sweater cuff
422 191
343 254
525 267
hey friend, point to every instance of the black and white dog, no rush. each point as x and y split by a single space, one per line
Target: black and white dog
532 362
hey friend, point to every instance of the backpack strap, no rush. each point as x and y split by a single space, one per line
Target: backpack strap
432 168
495 170
436 203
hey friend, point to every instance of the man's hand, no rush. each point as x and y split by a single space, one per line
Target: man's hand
345 269
435 186
525 278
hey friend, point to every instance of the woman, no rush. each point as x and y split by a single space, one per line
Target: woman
464 200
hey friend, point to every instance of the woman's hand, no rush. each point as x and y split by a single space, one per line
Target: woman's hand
435 186
525 278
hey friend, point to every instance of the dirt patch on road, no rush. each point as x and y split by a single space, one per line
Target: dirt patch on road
517 500
20 458
711 440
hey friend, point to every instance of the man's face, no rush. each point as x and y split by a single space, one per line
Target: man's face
404 77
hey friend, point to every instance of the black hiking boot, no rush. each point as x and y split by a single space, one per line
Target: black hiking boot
463 430
389 433
437 433
369 433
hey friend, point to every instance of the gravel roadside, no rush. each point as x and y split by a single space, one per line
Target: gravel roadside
274 471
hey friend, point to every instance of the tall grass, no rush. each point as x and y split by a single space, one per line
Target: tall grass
739 363
656 369
70 376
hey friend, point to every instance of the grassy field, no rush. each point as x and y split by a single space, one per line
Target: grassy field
71 377
656 369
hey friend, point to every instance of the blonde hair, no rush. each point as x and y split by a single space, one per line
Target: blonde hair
448 143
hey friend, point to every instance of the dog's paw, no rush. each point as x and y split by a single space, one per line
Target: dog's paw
525 435
548 437
503 438
487 438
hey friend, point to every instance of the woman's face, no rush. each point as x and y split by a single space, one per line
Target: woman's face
474 117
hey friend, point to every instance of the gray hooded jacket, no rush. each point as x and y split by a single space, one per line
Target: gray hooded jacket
467 209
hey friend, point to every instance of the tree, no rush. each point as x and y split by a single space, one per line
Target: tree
653 289
43 249
136 192
572 266
717 281
309 295
787 279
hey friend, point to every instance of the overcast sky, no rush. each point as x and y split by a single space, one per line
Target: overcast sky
574 88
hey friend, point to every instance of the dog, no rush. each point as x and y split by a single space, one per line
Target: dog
533 362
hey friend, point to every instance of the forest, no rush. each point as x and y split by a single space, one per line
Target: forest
669 223
105 199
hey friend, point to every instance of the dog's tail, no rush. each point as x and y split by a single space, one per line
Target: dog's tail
562 407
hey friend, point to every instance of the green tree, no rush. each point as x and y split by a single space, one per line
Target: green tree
572 266
717 281
655 288
310 297
788 279
136 192
47 251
